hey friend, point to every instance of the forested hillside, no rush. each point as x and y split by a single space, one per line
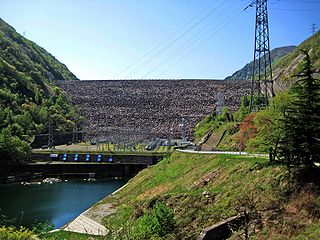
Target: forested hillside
27 96
285 68
245 73
28 58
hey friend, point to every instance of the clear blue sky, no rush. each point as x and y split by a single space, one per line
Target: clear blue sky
122 39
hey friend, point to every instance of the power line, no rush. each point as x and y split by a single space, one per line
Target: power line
295 10
163 41
184 46
151 58
299 1
174 41
224 23
196 47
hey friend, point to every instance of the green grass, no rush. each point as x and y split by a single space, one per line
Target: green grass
312 232
177 181
63 235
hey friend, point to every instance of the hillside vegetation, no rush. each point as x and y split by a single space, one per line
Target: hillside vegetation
188 192
199 189
185 193
260 131
29 58
285 68
245 73
287 62
27 97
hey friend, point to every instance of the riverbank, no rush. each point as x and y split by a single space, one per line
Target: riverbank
90 221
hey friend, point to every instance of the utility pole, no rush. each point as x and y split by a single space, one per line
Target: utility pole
261 82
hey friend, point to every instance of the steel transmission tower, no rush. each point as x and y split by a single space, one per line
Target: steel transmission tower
262 83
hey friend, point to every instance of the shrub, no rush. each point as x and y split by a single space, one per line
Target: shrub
42 228
247 131
11 233
155 224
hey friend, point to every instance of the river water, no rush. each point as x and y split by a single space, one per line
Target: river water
57 203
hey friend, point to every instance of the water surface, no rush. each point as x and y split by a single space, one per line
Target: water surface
57 203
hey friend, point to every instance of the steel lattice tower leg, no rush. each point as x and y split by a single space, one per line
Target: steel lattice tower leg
261 83
50 134
75 132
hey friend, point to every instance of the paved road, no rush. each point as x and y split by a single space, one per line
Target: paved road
223 152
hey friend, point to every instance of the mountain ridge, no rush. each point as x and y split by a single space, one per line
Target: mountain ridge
14 46
245 73
285 69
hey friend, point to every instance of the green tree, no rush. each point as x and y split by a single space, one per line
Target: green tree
12 148
27 96
12 233
300 143
269 124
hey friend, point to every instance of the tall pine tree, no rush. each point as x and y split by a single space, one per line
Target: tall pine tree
300 143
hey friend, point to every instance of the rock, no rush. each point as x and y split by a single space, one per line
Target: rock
222 230
51 180
90 179
205 179
206 193
30 183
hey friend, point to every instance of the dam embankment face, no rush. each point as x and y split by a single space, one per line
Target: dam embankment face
117 107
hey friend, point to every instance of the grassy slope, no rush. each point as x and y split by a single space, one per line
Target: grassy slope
180 182
218 125
62 235
228 182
